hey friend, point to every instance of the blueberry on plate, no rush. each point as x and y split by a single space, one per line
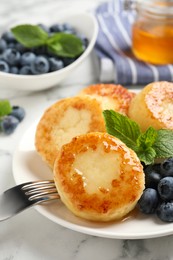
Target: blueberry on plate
8 124
4 67
27 58
152 175
165 211
167 167
18 112
12 56
55 64
165 188
40 65
148 201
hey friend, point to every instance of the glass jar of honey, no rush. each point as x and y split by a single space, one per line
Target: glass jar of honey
152 31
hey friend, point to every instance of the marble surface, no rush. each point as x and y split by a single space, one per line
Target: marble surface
29 235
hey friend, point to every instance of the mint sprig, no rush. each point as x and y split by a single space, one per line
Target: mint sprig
148 146
61 44
5 107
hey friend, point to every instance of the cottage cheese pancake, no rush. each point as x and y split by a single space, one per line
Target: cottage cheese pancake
153 106
110 96
64 120
98 177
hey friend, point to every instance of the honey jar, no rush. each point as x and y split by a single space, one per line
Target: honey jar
152 31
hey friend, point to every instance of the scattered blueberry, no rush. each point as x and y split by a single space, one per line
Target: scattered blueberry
4 67
165 211
148 201
12 56
25 70
55 64
8 37
18 112
40 65
167 167
8 124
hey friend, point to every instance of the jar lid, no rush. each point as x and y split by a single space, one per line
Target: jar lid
159 7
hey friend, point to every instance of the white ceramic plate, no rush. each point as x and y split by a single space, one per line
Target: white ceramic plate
28 166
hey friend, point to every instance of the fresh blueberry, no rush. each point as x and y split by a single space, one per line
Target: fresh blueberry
8 124
27 58
8 37
67 28
4 67
165 188
11 45
25 70
84 39
56 28
19 47
165 211
14 70
3 45
167 167
152 175
40 65
12 56
148 201
18 112
68 61
55 64
42 50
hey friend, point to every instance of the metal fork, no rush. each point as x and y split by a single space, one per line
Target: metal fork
25 195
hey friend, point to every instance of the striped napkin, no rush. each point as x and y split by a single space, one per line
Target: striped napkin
113 47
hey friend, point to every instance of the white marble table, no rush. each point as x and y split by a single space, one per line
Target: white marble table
29 235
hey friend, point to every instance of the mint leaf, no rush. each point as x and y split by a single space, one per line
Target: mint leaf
30 35
147 156
164 143
5 107
147 139
65 45
122 127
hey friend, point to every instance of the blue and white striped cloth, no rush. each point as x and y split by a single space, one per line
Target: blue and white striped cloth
113 44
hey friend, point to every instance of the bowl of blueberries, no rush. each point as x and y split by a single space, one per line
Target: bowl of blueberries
39 55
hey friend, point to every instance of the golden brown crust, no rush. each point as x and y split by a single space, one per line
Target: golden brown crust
64 120
98 177
110 96
153 106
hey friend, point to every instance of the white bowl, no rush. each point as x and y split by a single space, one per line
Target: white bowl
85 24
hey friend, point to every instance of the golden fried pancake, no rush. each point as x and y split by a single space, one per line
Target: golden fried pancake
110 96
64 120
153 106
98 177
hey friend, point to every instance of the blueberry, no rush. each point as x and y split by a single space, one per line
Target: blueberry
4 67
56 28
25 70
40 65
9 124
42 50
167 167
68 61
55 64
12 56
18 112
27 58
14 70
3 45
19 47
148 201
165 188
8 37
84 39
165 211
152 175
